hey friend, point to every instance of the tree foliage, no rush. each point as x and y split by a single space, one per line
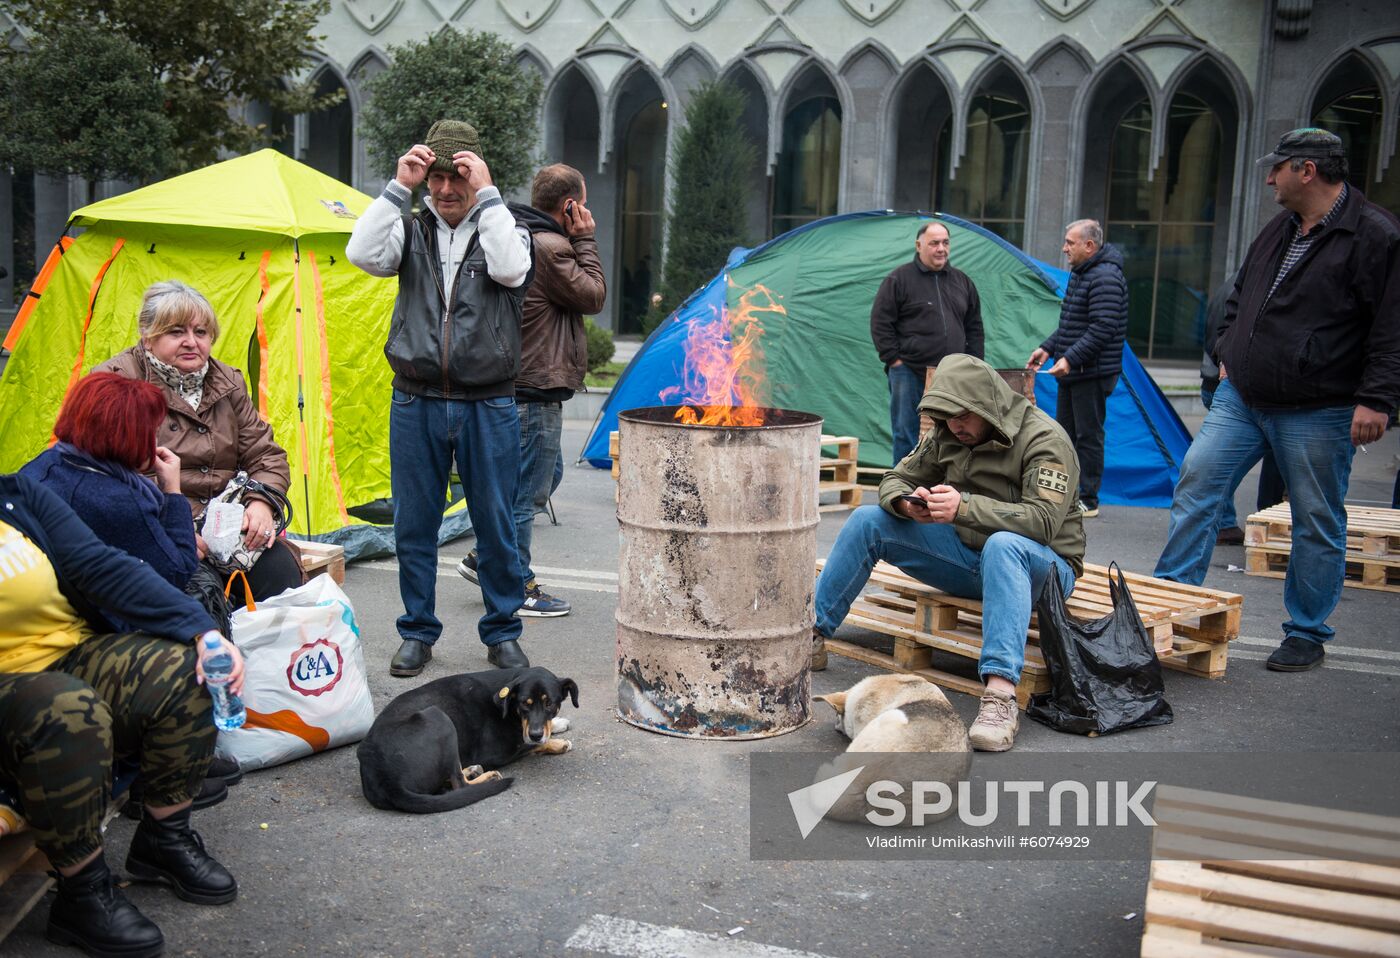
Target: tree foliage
211 57
458 75
85 103
711 171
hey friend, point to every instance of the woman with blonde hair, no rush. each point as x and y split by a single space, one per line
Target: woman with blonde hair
210 422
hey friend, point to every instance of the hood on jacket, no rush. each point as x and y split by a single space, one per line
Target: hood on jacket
536 221
1108 254
964 383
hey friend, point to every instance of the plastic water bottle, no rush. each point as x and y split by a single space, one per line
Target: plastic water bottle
229 712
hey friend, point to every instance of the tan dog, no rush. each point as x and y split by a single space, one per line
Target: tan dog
887 717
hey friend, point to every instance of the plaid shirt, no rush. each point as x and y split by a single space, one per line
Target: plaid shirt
1301 241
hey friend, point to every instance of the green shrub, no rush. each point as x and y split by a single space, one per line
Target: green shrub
600 345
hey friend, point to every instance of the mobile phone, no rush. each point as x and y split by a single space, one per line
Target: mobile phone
917 501
569 208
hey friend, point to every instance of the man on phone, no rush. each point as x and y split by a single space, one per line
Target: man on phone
463 264
553 355
984 508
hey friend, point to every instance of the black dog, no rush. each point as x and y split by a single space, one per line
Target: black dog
431 747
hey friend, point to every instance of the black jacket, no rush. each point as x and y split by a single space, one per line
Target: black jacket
921 315
1330 333
1093 318
472 348
94 577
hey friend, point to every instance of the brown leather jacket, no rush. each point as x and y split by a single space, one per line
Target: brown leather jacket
224 436
568 284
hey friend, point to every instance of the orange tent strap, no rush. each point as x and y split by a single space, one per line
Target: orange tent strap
36 289
326 385
87 320
264 373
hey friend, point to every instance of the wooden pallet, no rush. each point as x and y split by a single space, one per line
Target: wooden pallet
1373 546
1190 627
839 473
321 558
1234 877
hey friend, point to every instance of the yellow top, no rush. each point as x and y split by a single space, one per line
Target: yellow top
37 624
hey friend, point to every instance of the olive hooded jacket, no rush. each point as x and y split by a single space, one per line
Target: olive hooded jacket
1024 478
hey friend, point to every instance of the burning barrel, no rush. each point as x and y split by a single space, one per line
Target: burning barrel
716 572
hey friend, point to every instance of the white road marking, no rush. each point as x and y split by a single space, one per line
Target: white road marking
1332 649
635 939
446 572
1327 663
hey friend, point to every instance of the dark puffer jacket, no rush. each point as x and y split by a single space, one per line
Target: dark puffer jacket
1093 318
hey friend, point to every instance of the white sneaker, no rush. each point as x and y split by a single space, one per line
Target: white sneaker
994 730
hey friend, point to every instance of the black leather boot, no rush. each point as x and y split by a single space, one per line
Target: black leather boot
91 913
507 655
411 658
169 850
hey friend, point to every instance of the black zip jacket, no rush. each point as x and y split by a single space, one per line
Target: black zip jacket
921 315
1330 333
471 347
94 577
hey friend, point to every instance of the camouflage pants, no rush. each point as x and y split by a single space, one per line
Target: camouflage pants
112 696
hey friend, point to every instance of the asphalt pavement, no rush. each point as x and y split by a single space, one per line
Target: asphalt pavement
638 844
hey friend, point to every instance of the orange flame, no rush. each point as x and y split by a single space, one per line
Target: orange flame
723 383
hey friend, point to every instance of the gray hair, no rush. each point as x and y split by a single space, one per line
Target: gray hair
171 303
1331 170
1088 230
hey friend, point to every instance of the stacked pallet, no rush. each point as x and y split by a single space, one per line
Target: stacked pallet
1190 627
1373 545
1234 877
322 558
838 472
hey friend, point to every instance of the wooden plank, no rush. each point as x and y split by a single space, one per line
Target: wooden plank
18 895
1028 686
1161 941
319 558
1242 859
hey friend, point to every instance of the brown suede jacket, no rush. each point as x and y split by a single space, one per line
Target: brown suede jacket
222 437
568 285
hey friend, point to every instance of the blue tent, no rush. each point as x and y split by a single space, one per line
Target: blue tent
819 357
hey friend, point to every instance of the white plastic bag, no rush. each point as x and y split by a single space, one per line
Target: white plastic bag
222 529
304 686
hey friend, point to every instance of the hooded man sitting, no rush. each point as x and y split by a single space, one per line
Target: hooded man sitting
999 512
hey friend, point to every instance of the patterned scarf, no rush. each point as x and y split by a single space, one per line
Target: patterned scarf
189 386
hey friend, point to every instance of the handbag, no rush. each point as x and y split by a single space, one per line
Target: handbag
223 521
1104 674
305 687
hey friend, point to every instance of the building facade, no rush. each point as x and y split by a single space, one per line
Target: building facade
1019 115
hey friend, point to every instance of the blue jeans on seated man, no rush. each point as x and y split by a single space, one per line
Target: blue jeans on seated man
906 389
1007 575
483 435
541 468
1313 450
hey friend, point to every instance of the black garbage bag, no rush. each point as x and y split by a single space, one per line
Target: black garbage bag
1104 674
207 585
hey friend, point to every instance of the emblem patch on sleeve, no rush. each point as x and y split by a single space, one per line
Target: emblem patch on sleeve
1052 482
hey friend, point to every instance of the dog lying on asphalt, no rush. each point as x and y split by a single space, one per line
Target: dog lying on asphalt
439 746
887 717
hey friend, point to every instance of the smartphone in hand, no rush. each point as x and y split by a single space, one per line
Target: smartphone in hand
918 502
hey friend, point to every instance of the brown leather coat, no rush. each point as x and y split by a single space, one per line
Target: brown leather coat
224 436
568 284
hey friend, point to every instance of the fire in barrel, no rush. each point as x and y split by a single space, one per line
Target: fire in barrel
717 504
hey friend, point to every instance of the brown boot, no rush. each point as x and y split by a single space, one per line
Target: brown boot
994 729
818 651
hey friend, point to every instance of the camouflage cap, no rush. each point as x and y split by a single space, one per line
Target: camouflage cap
1308 143
447 137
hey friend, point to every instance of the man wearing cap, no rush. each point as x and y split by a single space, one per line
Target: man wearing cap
983 508
1309 357
463 265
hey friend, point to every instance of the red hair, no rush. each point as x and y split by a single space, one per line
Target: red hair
111 417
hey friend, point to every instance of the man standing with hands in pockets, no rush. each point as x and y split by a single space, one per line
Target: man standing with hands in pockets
463 265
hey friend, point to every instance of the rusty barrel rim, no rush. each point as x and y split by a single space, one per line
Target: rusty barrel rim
666 416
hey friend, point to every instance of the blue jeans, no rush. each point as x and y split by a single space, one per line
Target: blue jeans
541 426
906 389
1007 575
1313 450
484 437
1229 519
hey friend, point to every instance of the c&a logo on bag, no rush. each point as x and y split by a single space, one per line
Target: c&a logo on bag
315 668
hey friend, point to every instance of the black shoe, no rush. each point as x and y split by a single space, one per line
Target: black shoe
467 567
1233 536
91 913
1296 655
411 658
169 850
212 791
507 655
227 769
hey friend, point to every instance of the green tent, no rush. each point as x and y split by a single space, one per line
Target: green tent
263 237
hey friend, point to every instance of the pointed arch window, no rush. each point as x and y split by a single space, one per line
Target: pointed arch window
809 167
990 187
1349 104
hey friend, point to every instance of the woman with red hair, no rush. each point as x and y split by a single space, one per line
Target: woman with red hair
106 440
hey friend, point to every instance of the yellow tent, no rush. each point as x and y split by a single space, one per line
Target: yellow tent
263 237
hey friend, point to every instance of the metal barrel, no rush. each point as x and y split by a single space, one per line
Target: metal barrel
716 573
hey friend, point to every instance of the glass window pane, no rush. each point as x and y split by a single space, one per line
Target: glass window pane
1192 165
1129 190
809 167
1138 241
990 188
1356 118
643 180
1183 289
